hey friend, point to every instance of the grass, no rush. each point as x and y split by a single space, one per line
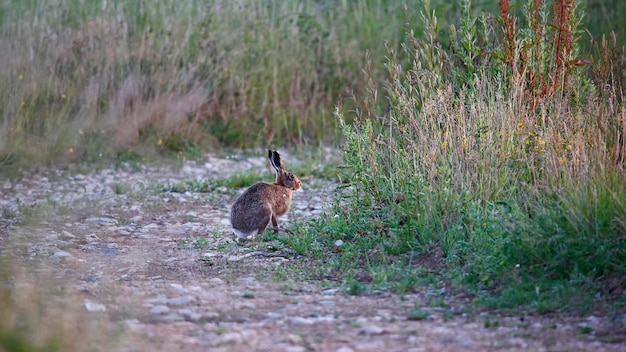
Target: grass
503 184
85 81
482 153
118 77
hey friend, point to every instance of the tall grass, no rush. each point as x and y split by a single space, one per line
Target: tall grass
511 162
84 78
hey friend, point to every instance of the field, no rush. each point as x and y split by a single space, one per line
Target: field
482 145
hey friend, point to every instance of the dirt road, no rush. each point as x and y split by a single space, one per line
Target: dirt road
147 270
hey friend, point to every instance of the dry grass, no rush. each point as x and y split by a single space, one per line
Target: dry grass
83 78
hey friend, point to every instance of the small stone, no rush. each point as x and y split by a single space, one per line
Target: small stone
160 309
92 237
133 324
102 221
326 303
66 235
61 254
179 301
345 349
216 281
294 349
295 339
159 299
95 307
372 330
273 315
64 244
229 338
196 317
300 321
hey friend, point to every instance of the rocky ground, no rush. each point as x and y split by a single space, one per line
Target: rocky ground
160 271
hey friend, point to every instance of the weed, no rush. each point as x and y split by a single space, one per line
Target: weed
491 324
120 188
355 287
418 314
239 180
193 242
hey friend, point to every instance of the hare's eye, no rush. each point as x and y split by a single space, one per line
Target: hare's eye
290 176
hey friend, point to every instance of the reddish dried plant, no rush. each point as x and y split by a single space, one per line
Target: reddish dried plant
541 63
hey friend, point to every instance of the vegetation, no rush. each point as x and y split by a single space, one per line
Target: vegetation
497 164
86 80
482 151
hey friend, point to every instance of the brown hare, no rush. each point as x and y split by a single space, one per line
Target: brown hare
264 202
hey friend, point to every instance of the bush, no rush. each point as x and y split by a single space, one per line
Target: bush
514 172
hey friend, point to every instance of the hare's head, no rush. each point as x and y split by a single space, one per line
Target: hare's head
283 178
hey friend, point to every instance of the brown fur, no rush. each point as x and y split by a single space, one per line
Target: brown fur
264 202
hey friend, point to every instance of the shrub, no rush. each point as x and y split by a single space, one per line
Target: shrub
510 168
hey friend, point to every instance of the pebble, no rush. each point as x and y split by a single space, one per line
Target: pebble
66 235
179 301
101 221
95 307
372 330
195 317
134 324
159 299
344 349
160 309
229 338
274 315
301 321
294 349
61 254
92 237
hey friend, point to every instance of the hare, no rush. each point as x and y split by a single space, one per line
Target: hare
264 202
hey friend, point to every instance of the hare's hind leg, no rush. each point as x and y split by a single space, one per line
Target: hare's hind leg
266 215
274 223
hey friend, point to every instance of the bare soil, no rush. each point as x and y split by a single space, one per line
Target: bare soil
161 271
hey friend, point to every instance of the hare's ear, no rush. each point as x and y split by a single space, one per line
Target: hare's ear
275 161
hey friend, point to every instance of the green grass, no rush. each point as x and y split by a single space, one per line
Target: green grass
238 180
83 81
514 195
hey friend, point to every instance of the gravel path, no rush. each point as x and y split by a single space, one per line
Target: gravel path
147 270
